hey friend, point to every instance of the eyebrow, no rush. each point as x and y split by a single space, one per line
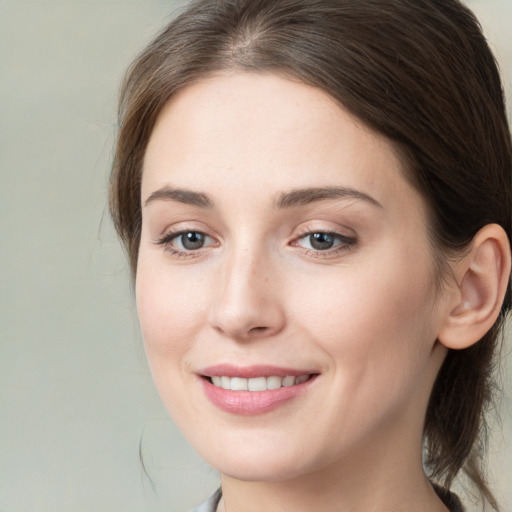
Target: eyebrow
292 199
180 195
305 196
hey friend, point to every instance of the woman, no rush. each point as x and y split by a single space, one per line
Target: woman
315 199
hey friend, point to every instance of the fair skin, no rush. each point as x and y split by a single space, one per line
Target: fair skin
231 275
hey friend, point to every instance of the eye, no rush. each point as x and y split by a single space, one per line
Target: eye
185 243
323 241
190 240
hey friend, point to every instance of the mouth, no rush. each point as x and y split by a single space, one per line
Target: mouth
254 390
257 383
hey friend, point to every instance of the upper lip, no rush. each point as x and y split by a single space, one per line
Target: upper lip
248 372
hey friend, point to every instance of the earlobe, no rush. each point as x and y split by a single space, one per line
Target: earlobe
482 277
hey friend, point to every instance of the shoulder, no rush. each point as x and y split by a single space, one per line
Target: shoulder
210 505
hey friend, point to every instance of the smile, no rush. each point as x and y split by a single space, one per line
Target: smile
257 383
254 390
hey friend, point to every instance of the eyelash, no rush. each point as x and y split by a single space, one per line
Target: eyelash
167 239
346 243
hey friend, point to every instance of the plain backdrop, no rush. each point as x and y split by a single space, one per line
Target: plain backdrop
76 399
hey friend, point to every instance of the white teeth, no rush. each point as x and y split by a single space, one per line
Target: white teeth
238 384
274 382
288 381
257 383
225 382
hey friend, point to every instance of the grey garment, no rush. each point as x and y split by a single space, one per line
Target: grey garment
210 505
450 499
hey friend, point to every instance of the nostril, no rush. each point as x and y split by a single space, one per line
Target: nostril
244 319
258 330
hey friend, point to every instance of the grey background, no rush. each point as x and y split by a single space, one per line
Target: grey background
76 398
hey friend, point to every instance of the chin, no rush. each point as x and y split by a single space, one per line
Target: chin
261 457
262 469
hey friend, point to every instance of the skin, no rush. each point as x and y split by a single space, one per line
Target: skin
365 314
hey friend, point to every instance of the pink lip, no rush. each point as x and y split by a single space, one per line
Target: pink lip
250 403
248 372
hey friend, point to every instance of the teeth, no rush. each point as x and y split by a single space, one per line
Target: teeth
225 382
301 379
274 382
257 383
288 381
238 384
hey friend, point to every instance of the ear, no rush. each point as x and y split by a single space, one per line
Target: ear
482 277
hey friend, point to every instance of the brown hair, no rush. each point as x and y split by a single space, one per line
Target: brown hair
421 73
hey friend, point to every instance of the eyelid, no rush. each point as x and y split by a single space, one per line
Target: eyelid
347 242
166 239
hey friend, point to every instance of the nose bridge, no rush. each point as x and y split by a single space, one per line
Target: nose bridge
246 304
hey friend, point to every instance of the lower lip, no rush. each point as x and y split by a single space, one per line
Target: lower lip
250 403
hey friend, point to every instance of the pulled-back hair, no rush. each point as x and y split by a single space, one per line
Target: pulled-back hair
419 72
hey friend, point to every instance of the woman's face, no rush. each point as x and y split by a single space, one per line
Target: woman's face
283 251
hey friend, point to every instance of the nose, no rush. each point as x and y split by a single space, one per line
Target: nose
247 302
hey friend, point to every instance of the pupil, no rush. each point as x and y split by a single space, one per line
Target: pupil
321 241
192 240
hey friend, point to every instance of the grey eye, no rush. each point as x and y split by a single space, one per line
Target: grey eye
321 241
191 240
324 241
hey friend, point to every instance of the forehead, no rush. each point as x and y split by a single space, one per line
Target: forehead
265 132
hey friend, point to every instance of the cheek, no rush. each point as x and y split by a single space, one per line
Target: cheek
376 325
171 311
365 303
